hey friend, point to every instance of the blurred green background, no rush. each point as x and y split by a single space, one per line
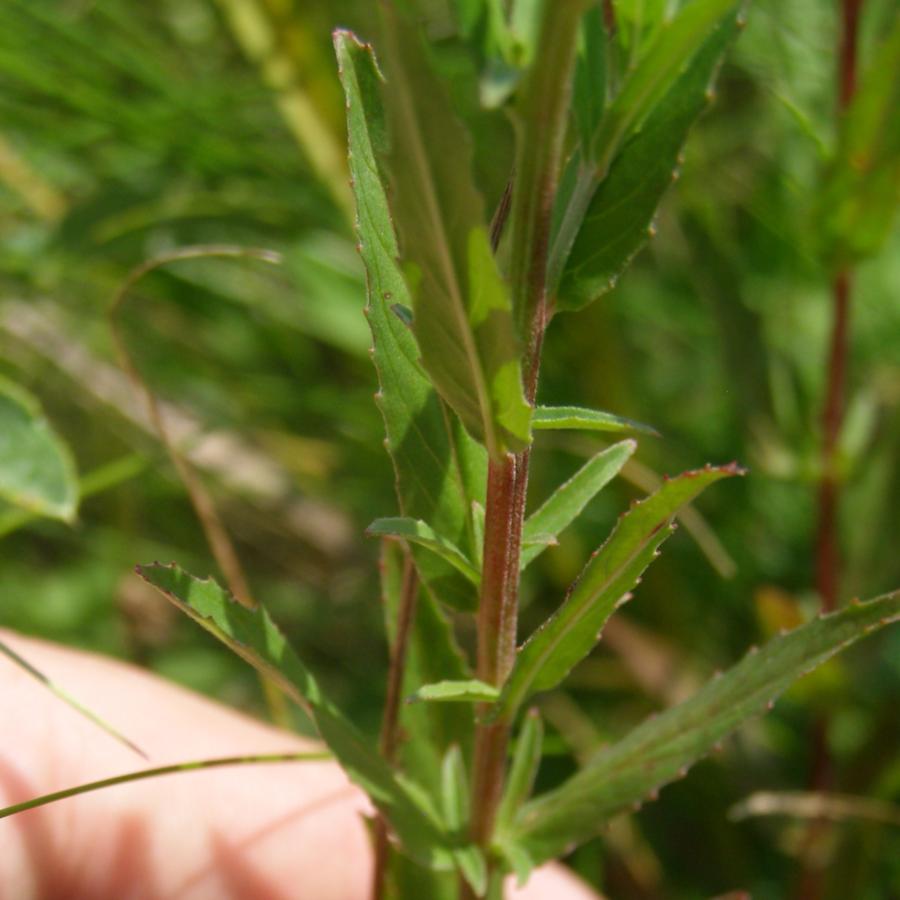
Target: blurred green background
128 130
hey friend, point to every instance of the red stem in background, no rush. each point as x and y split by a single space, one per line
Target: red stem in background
850 10
811 884
827 551
827 554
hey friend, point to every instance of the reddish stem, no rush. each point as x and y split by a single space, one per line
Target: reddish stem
827 552
850 10
811 883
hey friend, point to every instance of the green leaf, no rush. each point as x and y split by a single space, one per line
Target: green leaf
523 771
439 469
418 532
589 89
469 691
572 631
454 790
607 202
861 191
470 859
253 636
36 469
662 61
558 418
663 747
519 785
565 504
103 478
472 866
462 313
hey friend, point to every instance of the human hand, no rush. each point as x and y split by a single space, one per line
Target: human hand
278 831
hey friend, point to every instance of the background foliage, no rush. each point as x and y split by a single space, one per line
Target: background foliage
131 129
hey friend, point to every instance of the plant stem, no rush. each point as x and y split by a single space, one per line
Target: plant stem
543 113
827 552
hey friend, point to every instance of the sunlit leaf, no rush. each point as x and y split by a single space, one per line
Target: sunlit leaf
469 691
462 314
577 418
439 469
663 747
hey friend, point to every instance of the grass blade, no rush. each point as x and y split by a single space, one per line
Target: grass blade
67 698
173 769
663 747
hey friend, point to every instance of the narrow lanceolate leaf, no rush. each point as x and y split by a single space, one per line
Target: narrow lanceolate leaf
663 747
657 71
36 469
440 470
66 697
607 202
253 636
469 691
577 418
573 630
565 504
462 315
862 188
418 532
